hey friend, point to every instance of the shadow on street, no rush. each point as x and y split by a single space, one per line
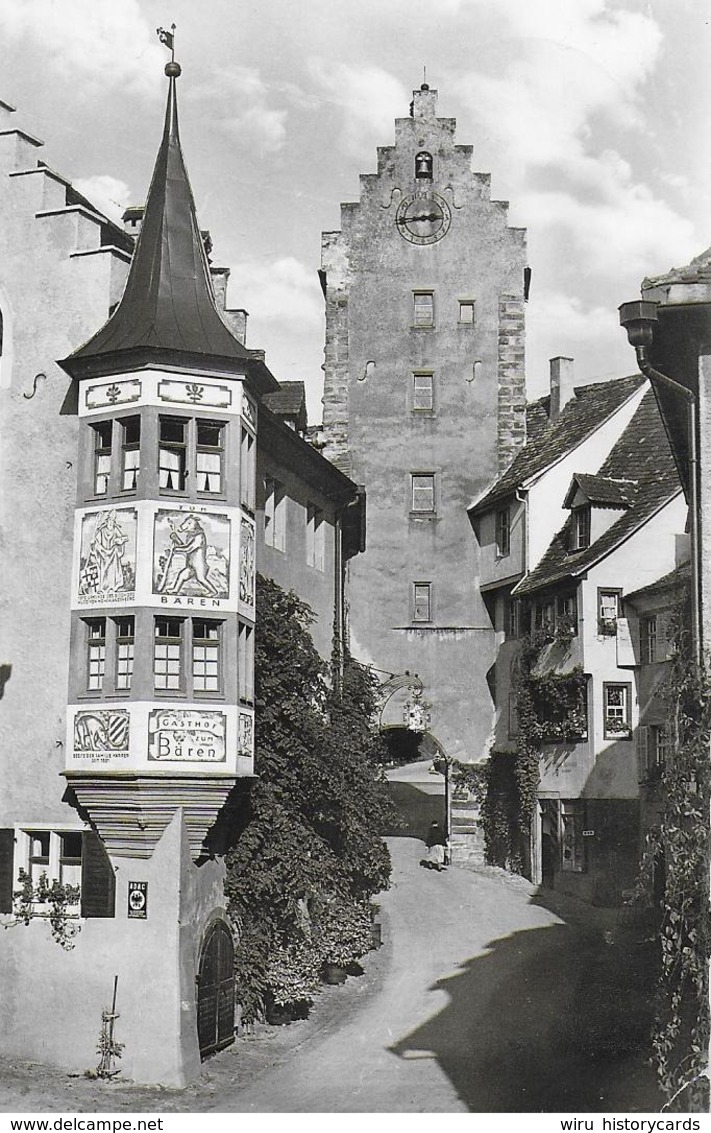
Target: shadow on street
548 1020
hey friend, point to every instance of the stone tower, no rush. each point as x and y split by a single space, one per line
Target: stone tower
424 402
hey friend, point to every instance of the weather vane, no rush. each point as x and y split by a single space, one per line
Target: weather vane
168 38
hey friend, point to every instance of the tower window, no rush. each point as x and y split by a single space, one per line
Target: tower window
466 312
423 165
422 602
130 452
102 456
172 453
423 491
209 456
423 308
423 392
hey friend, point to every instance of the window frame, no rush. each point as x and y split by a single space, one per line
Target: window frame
582 525
178 449
419 295
100 452
129 642
606 626
186 659
274 514
130 447
431 487
468 305
425 588
502 532
218 450
213 644
54 863
247 468
91 643
423 410
245 662
649 644
624 732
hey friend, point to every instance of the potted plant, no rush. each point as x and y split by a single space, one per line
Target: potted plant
292 978
344 935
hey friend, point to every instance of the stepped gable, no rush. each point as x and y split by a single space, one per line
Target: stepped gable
548 441
642 452
167 312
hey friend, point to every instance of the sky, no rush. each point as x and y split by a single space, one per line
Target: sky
592 117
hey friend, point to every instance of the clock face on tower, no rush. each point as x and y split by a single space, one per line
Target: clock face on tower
423 218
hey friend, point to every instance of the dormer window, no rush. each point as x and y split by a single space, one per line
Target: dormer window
581 528
423 165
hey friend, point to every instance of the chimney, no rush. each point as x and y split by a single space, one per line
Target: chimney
424 103
562 391
132 219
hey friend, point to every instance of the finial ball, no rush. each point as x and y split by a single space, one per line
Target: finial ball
424 86
172 70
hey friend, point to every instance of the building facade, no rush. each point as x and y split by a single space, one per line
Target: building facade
424 401
134 506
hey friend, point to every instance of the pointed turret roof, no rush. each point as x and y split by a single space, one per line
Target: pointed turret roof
167 312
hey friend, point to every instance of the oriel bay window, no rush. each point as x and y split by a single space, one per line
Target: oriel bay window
245 663
96 653
125 639
102 456
200 639
209 456
130 452
172 453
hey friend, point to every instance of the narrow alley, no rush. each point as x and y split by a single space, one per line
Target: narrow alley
480 1000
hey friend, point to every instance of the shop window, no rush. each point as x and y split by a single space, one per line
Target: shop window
616 703
423 308
608 609
315 537
423 165
130 452
102 456
125 641
274 514
503 532
96 653
422 602
572 818
422 492
423 392
246 663
172 453
209 456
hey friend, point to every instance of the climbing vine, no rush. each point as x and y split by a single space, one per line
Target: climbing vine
50 900
550 708
680 840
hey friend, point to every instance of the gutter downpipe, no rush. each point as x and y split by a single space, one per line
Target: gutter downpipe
656 376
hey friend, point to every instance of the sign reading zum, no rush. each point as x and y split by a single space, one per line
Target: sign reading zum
186 735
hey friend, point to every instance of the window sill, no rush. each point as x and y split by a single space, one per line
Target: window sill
426 515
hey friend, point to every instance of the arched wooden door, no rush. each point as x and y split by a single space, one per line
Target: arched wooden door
216 991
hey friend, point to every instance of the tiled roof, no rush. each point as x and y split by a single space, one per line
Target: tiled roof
547 441
604 490
699 270
676 578
287 401
643 451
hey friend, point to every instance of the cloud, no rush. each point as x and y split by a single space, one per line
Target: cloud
282 291
559 324
255 121
368 97
109 44
109 195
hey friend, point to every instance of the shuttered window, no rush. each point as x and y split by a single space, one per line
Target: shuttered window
7 852
98 883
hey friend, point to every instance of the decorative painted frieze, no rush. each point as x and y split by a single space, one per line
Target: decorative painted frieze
186 735
191 554
164 389
246 564
107 557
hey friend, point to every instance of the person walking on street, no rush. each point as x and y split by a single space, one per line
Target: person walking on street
435 843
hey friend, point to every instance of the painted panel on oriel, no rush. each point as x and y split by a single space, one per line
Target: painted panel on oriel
191 554
101 736
246 734
246 565
186 735
107 566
